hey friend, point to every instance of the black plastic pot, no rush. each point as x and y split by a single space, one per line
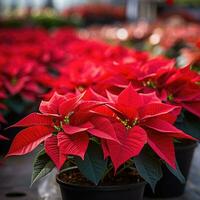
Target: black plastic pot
76 192
169 186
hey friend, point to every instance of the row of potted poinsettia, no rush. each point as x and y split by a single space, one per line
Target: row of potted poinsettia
113 120
176 40
34 60
105 146
28 58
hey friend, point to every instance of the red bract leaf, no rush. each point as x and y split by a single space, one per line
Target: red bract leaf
166 128
103 129
171 116
112 98
163 147
156 109
92 95
193 107
68 129
69 105
150 98
3 137
2 119
88 105
131 143
14 89
103 111
129 101
34 119
105 149
73 144
53 151
28 139
52 106
155 68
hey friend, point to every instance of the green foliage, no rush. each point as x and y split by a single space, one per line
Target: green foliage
149 167
188 2
42 166
176 172
54 21
189 123
93 166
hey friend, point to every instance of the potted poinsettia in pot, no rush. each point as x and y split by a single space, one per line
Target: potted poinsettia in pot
186 95
178 87
104 147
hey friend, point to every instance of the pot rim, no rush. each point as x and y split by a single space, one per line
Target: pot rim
96 188
193 144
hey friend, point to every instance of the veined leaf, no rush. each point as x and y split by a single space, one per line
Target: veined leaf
42 166
28 139
73 144
189 123
34 119
94 165
149 167
132 142
176 172
53 151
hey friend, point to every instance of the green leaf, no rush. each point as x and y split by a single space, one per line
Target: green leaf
176 172
42 166
149 167
17 105
189 123
94 165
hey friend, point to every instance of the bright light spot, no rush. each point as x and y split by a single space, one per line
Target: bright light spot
154 39
122 34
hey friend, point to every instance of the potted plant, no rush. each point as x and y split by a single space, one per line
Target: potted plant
23 76
179 87
104 147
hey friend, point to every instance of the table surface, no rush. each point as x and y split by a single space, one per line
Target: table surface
15 176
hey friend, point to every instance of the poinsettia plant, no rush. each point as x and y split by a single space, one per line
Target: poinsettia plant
105 101
178 87
91 131
24 70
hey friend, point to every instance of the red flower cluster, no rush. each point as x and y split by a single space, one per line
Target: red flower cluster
121 98
100 99
21 70
169 34
123 124
98 65
104 68
178 87
27 59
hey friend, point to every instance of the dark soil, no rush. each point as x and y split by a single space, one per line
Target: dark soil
128 176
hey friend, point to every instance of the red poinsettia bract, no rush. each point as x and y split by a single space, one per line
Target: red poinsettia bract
141 119
3 137
175 86
65 125
182 89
